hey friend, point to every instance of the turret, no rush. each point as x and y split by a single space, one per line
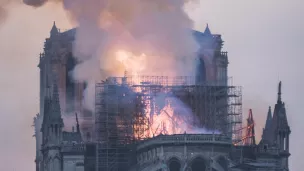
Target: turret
54 30
250 133
280 125
52 121
55 106
46 109
269 119
267 128
207 31
280 93
281 129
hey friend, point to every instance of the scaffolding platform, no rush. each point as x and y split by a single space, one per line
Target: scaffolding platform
124 109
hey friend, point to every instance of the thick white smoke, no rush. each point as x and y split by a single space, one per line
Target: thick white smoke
153 35
159 29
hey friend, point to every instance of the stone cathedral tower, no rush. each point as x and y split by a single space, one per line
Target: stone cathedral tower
281 130
277 131
52 132
56 65
60 96
212 62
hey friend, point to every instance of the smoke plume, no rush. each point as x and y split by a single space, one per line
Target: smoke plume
141 36
159 29
153 37
38 3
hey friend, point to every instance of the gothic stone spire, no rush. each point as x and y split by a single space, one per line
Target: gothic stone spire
207 31
250 133
269 119
280 92
54 30
279 115
267 128
46 107
55 105
279 121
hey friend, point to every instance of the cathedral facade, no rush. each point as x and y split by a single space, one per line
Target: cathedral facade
62 147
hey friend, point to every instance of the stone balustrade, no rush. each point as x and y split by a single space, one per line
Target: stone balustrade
72 148
268 151
185 139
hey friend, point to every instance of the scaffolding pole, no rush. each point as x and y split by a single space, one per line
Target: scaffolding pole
125 107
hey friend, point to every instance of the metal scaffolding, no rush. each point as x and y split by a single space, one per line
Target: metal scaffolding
124 107
113 122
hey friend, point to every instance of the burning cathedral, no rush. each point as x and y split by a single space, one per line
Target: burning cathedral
152 123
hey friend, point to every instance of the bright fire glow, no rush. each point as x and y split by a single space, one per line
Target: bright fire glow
168 115
169 122
132 63
162 114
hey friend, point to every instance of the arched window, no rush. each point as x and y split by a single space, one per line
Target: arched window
200 76
198 164
174 164
70 85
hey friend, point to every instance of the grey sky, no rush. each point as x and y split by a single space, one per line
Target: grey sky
264 40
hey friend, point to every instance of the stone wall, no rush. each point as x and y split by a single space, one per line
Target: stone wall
157 153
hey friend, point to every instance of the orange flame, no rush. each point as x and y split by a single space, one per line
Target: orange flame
132 63
173 118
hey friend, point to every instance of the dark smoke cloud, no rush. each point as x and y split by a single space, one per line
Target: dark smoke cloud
35 3
38 3
5 6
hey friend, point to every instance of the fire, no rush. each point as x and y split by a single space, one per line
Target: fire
163 113
132 63
167 122
172 118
